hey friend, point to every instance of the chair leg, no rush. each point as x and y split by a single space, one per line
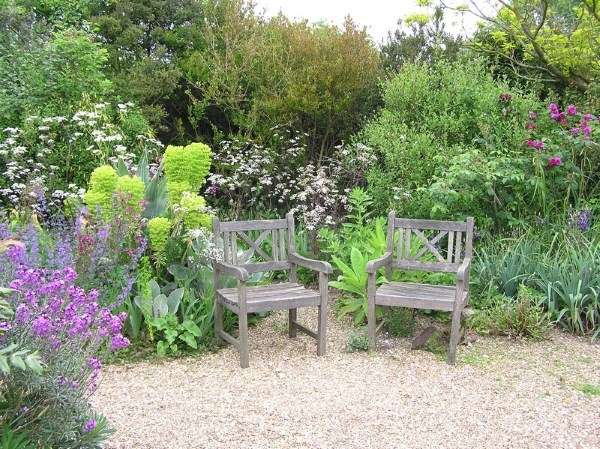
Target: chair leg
322 334
243 339
218 321
293 316
454 334
371 319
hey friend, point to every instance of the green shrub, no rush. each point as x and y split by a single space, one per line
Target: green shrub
358 340
159 229
132 189
193 210
522 317
189 164
400 321
102 184
451 114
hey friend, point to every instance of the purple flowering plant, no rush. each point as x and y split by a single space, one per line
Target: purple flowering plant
565 153
70 329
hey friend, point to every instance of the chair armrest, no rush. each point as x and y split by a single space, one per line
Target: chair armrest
239 273
376 264
311 264
462 274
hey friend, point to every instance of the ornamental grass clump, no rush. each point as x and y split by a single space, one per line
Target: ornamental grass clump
68 328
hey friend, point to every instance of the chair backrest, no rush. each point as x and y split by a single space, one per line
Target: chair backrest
429 245
256 245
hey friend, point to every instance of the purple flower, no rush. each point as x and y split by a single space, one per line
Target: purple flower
537 144
95 363
118 342
575 131
583 219
553 108
533 115
41 326
89 425
571 109
22 314
554 161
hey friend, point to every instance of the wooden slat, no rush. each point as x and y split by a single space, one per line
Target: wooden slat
282 238
400 252
450 247
432 242
260 267
458 247
306 330
255 245
418 296
432 249
234 248
226 248
271 297
254 225
229 339
428 266
431 224
275 244
407 236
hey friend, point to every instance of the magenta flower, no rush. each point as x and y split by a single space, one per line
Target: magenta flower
553 108
554 161
571 109
537 144
587 131
41 326
575 131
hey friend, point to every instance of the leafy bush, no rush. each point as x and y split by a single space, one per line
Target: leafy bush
523 316
423 140
400 321
358 340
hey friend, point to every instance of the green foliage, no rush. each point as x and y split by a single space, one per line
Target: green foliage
189 164
522 316
46 71
192 208
11 439
555 43
144 39
400 321
589 389
358 340
174 333
132 189
419 136
424 40
159 229
259 72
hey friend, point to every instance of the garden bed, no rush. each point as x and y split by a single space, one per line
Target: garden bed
503 393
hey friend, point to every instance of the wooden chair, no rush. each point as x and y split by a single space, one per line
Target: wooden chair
243 260
447 246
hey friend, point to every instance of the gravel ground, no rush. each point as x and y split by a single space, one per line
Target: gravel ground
501 394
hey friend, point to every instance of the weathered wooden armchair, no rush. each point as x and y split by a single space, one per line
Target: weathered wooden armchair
446 246
240 261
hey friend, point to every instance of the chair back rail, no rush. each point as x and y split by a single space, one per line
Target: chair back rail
429 245
256 245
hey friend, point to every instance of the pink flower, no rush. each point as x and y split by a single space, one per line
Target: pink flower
575 131
532 115
587 131
537 144
571 109
553 108
554 161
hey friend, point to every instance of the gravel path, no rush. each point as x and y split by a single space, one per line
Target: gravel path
502 394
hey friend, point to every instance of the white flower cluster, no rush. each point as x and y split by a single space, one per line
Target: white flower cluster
203 247
276 176
37 161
